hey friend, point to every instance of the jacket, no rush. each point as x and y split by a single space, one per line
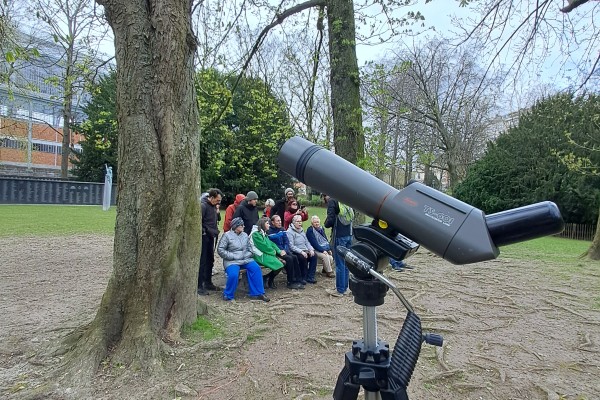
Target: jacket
320 243
288 216
230 211
280 238
265 252
249 215
332 221
235 249
279 208
209 218
298 240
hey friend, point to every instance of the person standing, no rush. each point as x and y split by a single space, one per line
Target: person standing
339 219
230 210
291 210
248 212
281 204
210 232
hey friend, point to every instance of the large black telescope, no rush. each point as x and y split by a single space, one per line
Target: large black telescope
450 228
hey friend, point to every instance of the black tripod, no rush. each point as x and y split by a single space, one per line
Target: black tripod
369 363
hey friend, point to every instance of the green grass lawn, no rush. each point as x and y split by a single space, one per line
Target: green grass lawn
51 220
546 248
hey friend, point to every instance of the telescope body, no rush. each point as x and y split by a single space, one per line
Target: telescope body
448 227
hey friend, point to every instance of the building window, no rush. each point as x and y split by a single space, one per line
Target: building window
13 144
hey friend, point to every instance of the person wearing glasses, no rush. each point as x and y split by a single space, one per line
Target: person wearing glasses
292 266
210 232
300 246
292 209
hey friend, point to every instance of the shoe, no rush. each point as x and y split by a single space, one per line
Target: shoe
262 297
397 269
303 282
311 281
330 275
271 284
226 299
295 286
212 286
202 291
334 293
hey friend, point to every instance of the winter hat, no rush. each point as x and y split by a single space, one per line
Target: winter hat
238 221
285 192
251 195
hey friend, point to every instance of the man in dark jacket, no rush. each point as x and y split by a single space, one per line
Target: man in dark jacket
279 207
339 219
248 212
210 232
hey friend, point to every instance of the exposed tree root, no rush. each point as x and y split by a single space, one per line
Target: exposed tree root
566 309
206 393
319 341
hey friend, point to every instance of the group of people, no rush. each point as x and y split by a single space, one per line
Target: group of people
276 241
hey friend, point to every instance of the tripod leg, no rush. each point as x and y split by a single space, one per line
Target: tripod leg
344 388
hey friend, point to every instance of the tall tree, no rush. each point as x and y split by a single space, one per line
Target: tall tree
239 153
524 165
73 25
348 136
530 33
449 96
99 148
151 292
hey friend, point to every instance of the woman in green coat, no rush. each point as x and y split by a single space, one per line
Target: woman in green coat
266 252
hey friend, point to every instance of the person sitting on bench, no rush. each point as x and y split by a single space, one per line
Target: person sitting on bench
265 252
236 251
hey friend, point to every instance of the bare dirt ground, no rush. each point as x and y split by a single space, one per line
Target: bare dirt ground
512 329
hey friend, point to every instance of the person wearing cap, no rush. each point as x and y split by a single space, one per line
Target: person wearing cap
236 251
210 232
248 212
280 205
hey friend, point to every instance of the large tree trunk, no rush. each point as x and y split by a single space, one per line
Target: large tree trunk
348 137
67 114
151 292
594 250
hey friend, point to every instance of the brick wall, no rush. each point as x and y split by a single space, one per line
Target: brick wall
17 129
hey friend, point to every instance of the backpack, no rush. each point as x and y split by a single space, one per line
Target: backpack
346 214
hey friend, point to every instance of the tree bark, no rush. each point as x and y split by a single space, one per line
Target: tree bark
348 134
594 250
152 290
